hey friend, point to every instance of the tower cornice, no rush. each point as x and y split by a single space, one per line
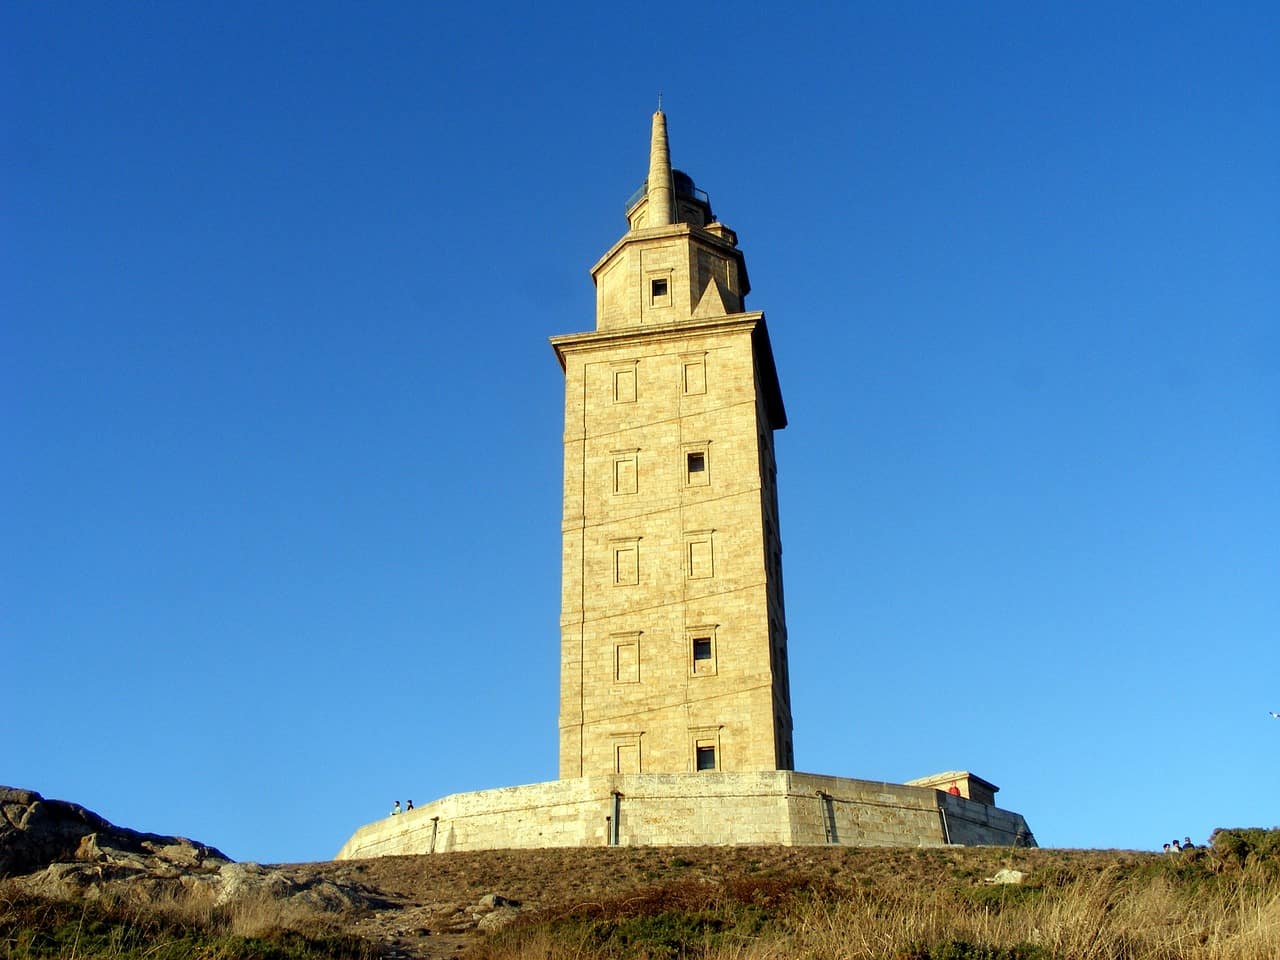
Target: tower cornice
753 323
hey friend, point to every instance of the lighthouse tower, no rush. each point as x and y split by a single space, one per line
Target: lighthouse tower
675 706
673 632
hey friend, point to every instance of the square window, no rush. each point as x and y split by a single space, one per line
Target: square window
706 757
697 468
701 648
660 291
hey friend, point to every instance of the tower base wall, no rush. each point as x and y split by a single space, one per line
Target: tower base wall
775 807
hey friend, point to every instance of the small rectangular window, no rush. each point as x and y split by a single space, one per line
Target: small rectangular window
697 467
660 291
706 757
705 742
701 640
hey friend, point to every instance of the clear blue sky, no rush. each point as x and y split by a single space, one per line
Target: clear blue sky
278 405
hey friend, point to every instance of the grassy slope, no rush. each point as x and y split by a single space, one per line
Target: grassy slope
740 902
926 905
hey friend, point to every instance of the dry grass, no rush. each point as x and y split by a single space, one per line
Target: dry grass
1095 909
177 925
1099 918
254 914
715 903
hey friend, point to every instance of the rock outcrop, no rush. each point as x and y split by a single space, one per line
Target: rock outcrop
60 849
36 833
240 881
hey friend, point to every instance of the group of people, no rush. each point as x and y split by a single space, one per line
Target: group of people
408 805
1176 847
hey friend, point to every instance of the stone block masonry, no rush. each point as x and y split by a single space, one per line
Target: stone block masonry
779 807
670 536
672 625
675 715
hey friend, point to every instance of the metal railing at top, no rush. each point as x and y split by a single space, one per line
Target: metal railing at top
695 193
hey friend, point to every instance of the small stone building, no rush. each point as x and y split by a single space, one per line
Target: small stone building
966 784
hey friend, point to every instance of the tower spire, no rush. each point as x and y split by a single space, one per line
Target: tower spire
659 183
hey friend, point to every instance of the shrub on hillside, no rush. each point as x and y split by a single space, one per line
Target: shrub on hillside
1240 843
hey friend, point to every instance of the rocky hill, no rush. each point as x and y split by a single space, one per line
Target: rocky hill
154 894
36 834
62 850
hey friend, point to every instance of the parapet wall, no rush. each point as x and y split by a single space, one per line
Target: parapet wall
771 807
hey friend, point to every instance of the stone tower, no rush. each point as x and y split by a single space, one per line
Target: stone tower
673 635
673 638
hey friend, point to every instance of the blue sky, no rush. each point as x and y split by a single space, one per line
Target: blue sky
277 404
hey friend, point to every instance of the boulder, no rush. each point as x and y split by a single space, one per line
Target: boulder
238 881
491 901
242 881
497 919
1007 876
35 833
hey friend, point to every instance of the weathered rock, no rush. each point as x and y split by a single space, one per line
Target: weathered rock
35 833
62 850
179 854
497 919
1007 876
60 881
96 848
238 881
491 901
329 897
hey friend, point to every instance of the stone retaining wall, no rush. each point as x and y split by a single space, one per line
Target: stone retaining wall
770 807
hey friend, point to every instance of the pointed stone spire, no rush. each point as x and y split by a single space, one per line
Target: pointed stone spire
660 207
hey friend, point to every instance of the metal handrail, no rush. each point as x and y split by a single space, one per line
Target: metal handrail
643 190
